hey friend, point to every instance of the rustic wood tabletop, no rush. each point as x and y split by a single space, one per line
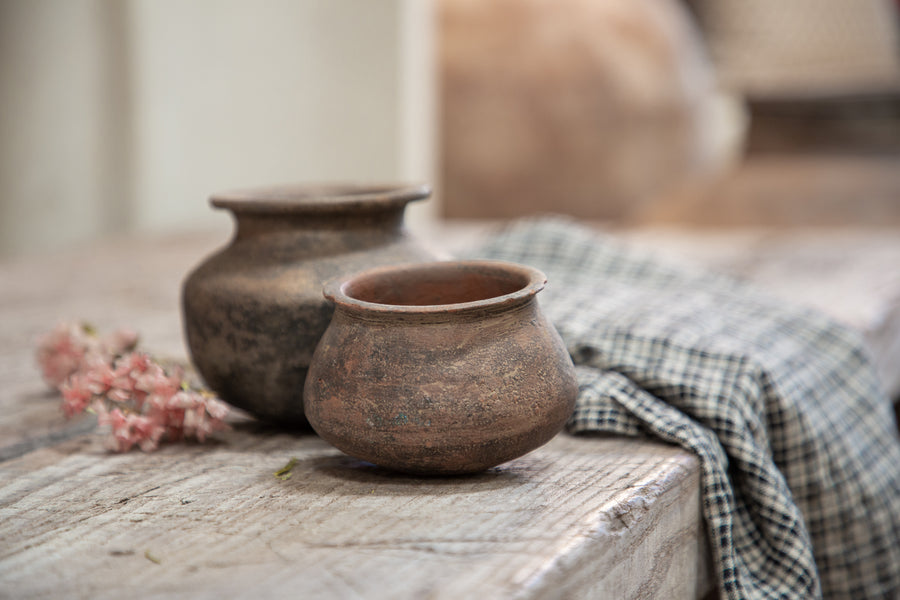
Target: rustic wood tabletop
595 516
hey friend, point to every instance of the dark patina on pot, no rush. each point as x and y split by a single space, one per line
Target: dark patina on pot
253 312
440 368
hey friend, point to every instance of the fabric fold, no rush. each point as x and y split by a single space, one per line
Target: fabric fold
797 442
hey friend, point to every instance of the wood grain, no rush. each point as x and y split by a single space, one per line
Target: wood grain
601 517
580 517
605 517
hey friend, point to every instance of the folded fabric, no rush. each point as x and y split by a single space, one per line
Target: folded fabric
797 441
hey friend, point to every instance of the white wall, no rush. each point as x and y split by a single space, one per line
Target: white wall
53 135
128 115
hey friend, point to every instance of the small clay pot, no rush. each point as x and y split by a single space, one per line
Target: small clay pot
253 312
440 368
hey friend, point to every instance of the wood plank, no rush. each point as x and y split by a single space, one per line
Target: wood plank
617 518
610 516
606 517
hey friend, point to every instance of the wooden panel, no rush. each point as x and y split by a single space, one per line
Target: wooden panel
613 517
608 516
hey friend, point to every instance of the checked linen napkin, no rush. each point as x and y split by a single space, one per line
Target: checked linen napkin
797 441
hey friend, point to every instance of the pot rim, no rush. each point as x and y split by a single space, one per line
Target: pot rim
533 279
319 197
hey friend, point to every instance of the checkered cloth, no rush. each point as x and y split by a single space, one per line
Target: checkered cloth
798 444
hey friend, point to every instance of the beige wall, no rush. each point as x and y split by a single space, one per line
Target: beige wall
53 136
127 115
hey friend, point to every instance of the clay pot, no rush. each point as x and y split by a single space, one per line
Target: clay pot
440 368
253 312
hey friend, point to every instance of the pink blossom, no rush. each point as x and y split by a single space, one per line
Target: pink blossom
60 352
70 347
156 386
211 423
130 429
195 414
133 364
100 375
128 371
175 410
134 396
77 394
217 409
108 381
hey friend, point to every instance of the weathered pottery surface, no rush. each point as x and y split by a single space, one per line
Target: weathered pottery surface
440 368
253 312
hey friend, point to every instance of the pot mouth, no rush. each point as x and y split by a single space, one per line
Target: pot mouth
437 288
319 198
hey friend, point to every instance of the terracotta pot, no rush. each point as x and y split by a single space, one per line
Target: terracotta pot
440 368
253 312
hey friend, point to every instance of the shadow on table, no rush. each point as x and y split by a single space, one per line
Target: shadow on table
243 423
357 477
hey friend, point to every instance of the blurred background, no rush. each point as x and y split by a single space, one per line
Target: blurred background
121 116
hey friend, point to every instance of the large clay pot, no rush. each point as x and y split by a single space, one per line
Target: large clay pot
253 312
533 93
441 368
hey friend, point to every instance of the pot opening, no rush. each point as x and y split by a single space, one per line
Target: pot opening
441 284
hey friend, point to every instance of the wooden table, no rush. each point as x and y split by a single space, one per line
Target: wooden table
604 516
581 517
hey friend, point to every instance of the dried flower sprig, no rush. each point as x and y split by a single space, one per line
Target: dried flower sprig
71 347
134 395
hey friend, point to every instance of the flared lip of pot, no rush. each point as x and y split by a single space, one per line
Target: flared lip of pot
320 198
531 282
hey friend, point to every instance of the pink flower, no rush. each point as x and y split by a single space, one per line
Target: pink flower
70 347
130 429
115 384
128 370
133 364
77 394
156 386
134 396
214 420
195 414
61 352
217 409
100 375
